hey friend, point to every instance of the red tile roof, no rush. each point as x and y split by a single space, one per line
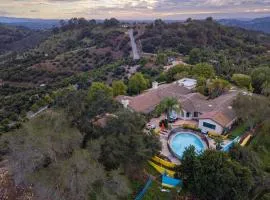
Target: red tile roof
147 101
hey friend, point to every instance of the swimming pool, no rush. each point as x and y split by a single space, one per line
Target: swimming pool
182 140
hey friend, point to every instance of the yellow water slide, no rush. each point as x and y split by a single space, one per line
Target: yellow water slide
245 141
164 162
213 134
162 170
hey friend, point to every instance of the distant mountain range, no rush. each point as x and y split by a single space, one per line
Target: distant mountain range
258 24
30 23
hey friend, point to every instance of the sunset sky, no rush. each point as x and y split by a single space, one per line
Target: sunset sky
134 9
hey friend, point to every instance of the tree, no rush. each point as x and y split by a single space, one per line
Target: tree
203 70
213 175
52 138
169 105
218 142
124 143
137 83
111 22
251 109
161 59
189 164
97 88
259 76
46 153
195 56
217 87
242 80
119 88
178 71
266 88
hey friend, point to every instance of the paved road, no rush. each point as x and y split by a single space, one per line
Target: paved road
136 55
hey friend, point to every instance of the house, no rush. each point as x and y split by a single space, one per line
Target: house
146 102
214 115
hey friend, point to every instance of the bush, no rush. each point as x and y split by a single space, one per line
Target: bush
191 127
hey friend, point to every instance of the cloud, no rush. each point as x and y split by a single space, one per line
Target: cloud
128 9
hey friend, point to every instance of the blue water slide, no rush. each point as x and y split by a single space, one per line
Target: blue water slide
227 147
142 192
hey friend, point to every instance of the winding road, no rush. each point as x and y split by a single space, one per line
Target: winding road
136 55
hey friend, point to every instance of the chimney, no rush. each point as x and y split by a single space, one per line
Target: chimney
154 85
125 103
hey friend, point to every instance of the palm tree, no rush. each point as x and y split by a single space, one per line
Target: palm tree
169 105
219 142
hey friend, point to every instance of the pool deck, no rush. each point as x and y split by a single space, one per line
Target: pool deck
164 138
166 152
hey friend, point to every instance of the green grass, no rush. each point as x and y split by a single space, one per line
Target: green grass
153 193
239 130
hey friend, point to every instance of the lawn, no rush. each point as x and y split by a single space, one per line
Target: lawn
153 193
238 130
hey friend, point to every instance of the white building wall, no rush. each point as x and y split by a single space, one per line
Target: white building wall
183 115
219 129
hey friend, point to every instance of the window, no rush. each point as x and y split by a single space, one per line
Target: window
211 126
188 114
196 114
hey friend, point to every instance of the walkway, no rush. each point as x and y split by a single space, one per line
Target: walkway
165 150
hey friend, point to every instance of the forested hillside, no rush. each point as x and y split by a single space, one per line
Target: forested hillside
258 24
230 50
19 39
64 135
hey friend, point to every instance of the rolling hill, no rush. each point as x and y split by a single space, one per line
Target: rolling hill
258 24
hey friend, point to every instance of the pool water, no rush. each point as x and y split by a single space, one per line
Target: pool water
181 141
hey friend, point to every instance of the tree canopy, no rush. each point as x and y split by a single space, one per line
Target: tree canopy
97 88
260 76
252 109
119 88
124 142
137 83
213 175
217 87
168 105
242 80
203 70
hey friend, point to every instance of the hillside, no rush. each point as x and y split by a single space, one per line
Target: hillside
258 24
61 92
19 39
66 52
99 52
213 42
36 24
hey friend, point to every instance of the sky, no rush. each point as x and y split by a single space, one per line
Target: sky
134 9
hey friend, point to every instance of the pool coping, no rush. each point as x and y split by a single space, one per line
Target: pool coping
175 131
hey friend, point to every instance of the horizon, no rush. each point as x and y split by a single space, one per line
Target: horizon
141 9
139 20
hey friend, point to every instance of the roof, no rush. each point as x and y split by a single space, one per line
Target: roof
218 109
220 117
195 102
147 101
222 112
